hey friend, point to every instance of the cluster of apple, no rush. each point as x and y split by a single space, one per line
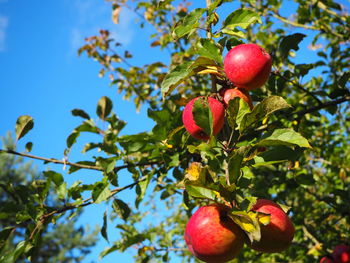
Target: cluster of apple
248 67
211 235
340 254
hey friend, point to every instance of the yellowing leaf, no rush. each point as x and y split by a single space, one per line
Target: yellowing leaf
263 218
193 171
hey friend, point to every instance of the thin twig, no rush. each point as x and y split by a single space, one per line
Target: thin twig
297 85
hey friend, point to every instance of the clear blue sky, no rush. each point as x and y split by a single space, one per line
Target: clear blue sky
42 76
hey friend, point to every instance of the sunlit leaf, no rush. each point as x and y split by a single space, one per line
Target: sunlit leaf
287 137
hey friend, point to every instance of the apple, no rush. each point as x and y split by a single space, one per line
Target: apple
240 93
278 234
212 236
326 260
218 113
247 66
341 253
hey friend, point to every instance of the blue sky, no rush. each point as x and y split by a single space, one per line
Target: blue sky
42 76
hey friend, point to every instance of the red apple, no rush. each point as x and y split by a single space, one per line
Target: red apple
240 93
326 260
212 236
218 112
341 253
248 66
278 234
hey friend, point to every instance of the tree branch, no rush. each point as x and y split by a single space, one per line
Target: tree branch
78 165
52 160
292 23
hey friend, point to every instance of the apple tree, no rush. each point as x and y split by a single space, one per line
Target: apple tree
252 104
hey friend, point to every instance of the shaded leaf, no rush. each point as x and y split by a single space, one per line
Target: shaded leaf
29 146
202 115
262 110
80 113
290 42
121 208
104 107
104 227
101 192
23 125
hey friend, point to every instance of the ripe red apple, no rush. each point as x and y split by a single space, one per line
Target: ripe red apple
240 93
341 253
326 260
278 234
212 236
248 66
218 112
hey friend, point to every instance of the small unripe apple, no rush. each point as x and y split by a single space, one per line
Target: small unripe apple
278 234
218 113
341 253
248 66
326 260
212 236
240 93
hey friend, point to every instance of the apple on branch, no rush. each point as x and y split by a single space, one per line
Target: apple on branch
278 234
218 113
212 236
248 66
341 253
230 94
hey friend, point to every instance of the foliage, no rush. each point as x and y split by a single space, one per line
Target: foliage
292 147
20 182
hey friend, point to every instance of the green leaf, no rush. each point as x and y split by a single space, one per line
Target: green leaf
23 125
234 163
202 192
4 235
141 189
57 178
241 18
243 110
175 77
62 191
290 42
104 227
232 112
248 222
121 208
262 110
29 146
104 107
189 23
209 49
182 72
80 113
101 192
202 115
287 137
